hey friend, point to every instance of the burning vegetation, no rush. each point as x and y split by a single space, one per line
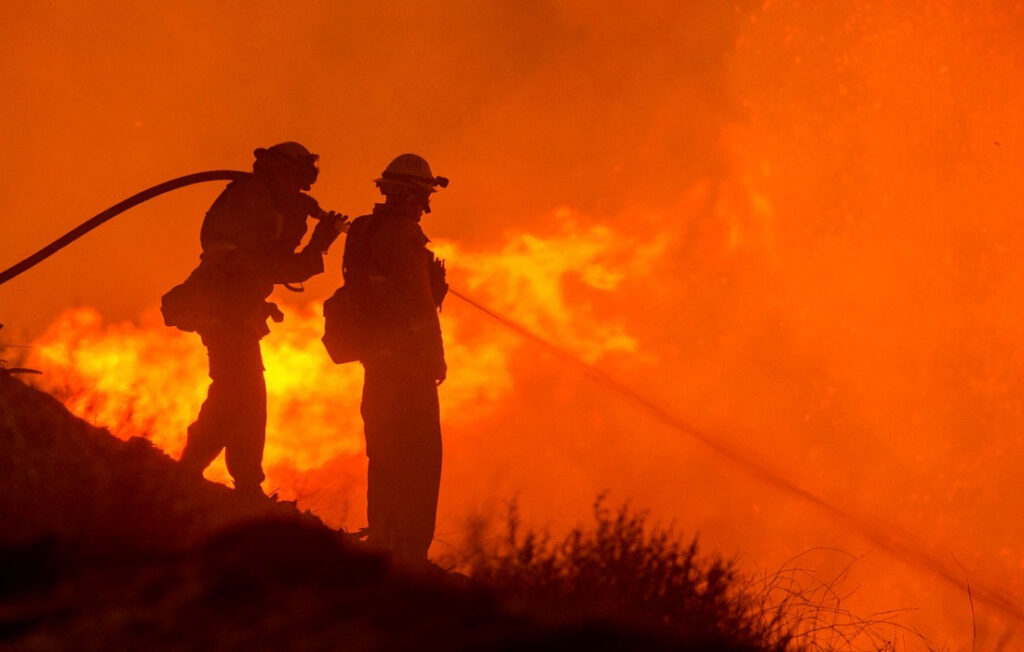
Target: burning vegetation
795 224
149 381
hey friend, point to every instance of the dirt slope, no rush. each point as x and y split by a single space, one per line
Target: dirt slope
104 544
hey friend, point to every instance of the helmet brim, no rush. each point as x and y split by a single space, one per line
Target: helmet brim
407 184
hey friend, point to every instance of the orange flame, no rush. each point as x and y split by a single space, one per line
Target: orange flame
835 280
149 381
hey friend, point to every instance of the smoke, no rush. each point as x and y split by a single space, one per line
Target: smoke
794 224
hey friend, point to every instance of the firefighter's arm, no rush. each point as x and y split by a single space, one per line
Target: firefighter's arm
295 267
328 227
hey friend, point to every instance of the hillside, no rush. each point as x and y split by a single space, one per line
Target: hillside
104 544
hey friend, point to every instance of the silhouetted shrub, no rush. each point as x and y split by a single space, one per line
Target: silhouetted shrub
620 569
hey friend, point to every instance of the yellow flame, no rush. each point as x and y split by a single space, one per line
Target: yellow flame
150 381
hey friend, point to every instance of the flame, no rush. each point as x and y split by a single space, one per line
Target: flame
149 381
543 281
795 223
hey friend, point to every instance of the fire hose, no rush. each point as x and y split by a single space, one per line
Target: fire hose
117 209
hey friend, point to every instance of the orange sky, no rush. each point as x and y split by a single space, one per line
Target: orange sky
796 225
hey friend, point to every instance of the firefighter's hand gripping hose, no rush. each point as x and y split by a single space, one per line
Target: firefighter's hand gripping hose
115 210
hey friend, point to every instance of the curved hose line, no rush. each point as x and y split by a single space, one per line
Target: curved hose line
115 210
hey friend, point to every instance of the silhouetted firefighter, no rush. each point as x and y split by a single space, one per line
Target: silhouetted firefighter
249 239
386 317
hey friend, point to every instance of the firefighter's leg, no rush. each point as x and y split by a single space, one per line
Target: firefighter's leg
206 436
403 442
244 451
246 433
382 498
421 462
383 492
234 413
427 476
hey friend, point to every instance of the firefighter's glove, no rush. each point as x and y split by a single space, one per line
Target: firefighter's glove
327 231
438 282
273 312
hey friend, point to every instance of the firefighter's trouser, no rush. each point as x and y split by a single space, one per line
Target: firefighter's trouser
234 415
403 443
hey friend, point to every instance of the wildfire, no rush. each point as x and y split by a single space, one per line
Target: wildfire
796 224
148 380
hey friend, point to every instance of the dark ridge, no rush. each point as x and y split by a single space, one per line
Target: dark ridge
104 544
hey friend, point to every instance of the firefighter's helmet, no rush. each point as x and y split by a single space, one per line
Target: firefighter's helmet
290 150
295 156
411 171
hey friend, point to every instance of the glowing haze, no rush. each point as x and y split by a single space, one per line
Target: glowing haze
796 225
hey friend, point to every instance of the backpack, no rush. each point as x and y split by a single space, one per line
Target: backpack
349 311
190 305
342 327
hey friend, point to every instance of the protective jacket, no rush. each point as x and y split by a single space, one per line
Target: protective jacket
249 237
393 289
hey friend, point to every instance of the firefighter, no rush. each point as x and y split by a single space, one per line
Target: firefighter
396 285
249 239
